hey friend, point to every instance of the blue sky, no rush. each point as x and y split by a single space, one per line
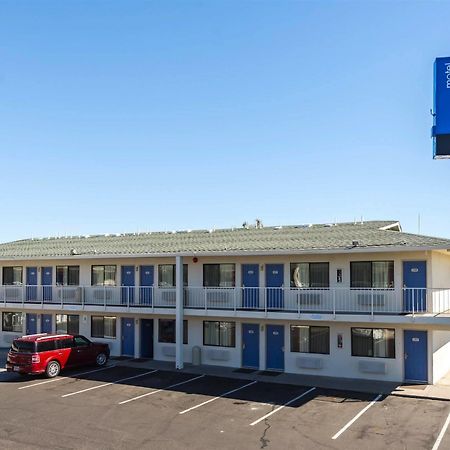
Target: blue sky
160 115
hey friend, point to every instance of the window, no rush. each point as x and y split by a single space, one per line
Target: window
166 275
67 275
310 275
103 327
166 331
23 346
12 276
67 323
218 275
373 342
46 346
103 276
64 343
13 321
220 334
372 274
81 341
305 339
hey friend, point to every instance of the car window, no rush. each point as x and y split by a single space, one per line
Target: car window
80 341
46 346
64 343
23 346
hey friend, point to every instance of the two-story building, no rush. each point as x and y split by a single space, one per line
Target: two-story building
359 300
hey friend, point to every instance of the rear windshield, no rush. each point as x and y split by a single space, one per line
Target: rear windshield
23 346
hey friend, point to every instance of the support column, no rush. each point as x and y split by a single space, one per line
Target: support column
179 314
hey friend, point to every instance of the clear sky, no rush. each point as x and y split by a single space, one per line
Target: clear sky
159 115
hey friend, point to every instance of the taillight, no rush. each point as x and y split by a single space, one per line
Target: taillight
35 359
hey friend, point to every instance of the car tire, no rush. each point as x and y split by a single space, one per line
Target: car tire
101 359
53 369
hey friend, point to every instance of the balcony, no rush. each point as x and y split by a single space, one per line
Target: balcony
291 300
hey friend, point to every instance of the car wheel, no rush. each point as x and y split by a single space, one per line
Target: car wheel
53 369
101 359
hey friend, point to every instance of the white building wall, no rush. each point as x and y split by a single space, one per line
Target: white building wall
441 353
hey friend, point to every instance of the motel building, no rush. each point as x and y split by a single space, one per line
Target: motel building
358 300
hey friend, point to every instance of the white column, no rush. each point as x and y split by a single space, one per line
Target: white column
179 360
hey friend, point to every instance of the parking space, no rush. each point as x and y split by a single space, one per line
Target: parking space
124 407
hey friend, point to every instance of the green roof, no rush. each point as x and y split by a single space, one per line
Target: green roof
296 238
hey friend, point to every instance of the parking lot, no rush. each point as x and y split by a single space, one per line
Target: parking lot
124 407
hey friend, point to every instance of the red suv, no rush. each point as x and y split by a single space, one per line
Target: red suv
49 353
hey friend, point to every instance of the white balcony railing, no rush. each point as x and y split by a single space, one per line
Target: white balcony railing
298 300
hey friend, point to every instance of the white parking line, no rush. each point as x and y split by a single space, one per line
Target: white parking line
159 390
65 378
357 416
108 384
441 434
215 398
282 406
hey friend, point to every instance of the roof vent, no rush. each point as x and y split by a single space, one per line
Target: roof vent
355 243
73 252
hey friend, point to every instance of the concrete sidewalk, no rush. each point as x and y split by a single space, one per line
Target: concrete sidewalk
440 391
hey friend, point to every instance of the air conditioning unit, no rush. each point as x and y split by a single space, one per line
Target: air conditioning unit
217 297
168 297
13 294
366 299
306 299
69 295
102 295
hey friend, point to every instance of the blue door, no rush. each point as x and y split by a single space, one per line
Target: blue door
274 283
414 284
46 323
147 338
250 284
127 291
47 281
416 355
146 285
31 324
275 347
250 345
31 282
127 336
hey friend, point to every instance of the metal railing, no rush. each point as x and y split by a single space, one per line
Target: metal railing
342 300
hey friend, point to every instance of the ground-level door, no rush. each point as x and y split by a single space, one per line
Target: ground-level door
414 284
46 323
31 324
250 345
127 336
275 347
416 355
147 338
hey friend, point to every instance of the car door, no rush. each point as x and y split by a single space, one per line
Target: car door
65 349
83 352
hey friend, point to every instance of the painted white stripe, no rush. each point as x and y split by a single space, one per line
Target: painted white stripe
349 424
219 396
282 406
159 390
65 378
441 434
108 384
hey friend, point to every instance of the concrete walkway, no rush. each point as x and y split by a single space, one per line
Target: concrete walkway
439 391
